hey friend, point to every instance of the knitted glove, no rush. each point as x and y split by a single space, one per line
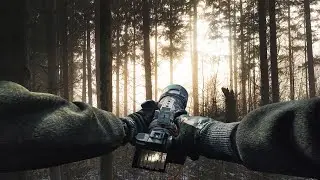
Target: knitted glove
206 137
139 122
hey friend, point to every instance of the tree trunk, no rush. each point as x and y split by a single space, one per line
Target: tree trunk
84 69
71 70
51 47
230 104
312 88
118 72
134 65
248 76
306 62
203 88
235 65
146 48
156 54
65 64
105 81
254 73
230 45
195 83
263 54
89 68
97 49
13 53
171 62
254 84
290 55
243 65
125 74
171 43
273 52
89 64
51 31
191 36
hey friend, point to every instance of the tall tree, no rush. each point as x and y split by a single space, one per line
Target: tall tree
97 47
235 64
156 50
134 22
195 80
312 88
125 69
103 13
14 55
64 41
55 172
171 41
84 67
273 52
146 47
174 31
291 64
51 47
118 62
89 64
230 44
263 53
243 64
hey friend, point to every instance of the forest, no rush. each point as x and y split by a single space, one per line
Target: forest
232 56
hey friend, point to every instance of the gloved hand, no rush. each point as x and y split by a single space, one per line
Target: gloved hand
139 122
206 137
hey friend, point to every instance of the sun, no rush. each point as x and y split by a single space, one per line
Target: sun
212 59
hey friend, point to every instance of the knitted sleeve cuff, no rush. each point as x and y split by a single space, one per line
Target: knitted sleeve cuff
129 128
216 142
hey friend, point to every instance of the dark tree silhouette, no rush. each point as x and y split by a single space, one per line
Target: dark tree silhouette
312 80
273 52
264 88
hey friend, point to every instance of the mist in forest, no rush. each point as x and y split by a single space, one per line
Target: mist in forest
116 54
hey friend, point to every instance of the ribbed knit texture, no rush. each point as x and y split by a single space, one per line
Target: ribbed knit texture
39 130
215 141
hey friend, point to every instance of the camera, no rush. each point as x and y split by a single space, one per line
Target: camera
152 150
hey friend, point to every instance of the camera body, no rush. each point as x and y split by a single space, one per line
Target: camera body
153 148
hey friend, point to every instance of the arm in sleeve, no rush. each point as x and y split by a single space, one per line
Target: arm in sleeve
282 138
40 130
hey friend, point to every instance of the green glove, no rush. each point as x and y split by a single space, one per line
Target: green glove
139 122
206 137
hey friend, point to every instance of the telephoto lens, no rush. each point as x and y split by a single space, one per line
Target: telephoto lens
153 149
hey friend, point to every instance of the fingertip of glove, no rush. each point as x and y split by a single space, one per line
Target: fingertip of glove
150 104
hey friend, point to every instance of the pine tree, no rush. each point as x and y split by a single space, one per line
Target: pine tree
134 23
273 52
156 4
51 47
243 65
89 60
146 47
64 38
174 32
290 59
84 67
312 88
104 20
13 54
230 44
195 60
264 88
118 62
55 172
125 68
